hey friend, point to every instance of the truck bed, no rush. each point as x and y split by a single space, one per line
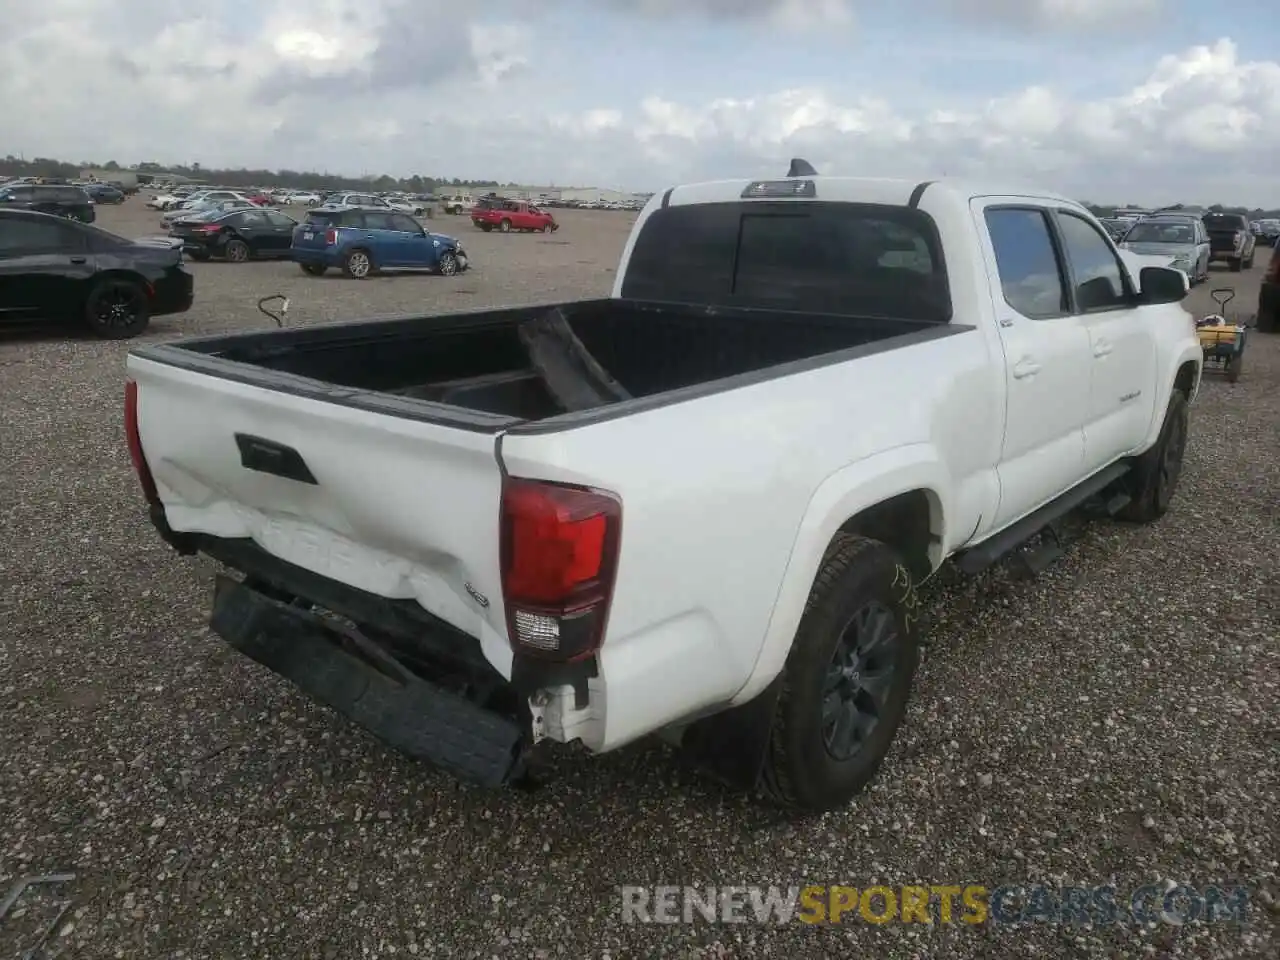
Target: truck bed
473 369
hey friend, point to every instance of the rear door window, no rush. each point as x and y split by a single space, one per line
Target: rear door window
1031 277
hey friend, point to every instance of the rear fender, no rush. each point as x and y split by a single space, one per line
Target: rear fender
842 496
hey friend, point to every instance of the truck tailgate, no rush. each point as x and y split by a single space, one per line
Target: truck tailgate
400 508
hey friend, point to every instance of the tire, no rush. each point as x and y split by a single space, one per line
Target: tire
1248 264
1233 368
547 228
1236 265
201 255
862 583
358 263
236 251
1153 479
505 226
448 265
117 309
487 227
313 269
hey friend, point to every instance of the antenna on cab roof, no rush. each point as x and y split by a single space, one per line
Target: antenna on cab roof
801 168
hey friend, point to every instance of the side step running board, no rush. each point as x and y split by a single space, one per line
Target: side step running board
985 554
571 374
419 718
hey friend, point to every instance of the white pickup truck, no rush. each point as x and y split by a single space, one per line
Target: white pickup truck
699 507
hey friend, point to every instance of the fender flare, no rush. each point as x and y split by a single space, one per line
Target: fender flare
1189 354
844 494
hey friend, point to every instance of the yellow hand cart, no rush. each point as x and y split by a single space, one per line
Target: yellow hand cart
1221 339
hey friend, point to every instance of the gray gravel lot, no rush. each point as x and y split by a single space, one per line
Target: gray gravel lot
1114 721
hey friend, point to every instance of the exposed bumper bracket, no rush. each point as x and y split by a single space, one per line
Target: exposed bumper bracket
419 718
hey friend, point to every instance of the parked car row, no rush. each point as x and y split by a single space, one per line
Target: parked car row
1191 241
359 241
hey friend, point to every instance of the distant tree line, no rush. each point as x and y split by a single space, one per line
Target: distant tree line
12 166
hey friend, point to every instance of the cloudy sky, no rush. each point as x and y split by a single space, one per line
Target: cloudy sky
1111 100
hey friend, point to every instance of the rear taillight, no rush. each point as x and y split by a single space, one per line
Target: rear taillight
331 237
559 549
135 443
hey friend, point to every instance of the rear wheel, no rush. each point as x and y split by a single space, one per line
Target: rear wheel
358 264
117 309
847 679
486 227
200 255
236 251
505 226
313 269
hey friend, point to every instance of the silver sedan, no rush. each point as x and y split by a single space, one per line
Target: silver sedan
1182 239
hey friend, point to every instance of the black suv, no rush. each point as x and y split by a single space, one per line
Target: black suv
61 201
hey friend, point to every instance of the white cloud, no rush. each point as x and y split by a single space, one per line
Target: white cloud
403 87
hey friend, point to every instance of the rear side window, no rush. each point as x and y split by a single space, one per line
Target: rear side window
374 220
1030 274
333 218
858 259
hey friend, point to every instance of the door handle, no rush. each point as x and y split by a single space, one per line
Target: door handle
1024 368
1101 348
79 260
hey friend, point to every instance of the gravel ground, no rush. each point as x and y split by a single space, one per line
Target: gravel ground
1113 721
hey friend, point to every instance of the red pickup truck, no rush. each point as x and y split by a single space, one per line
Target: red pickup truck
507 215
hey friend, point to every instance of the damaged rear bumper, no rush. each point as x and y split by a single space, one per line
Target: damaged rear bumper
364 683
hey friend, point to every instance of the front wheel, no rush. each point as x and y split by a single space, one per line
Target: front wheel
505 226
1236 265
548 228
1153 478
117 309
847 679
448 264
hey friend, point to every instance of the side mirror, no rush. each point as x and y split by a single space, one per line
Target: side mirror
1162 285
